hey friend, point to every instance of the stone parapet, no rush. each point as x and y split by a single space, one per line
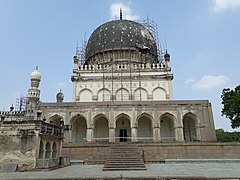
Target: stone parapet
122 67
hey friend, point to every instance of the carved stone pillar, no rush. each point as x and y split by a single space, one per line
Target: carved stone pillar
179 134
156 133
134 132
112 134
89 135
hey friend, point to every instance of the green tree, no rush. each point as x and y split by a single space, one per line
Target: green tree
231 105
224 136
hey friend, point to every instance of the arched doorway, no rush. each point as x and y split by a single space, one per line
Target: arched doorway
189 127
56 120
101 130
166 128
123 130
54 148
79 129
145 128
48 150
41 150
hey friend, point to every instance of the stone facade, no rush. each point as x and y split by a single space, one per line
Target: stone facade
30 144
158 121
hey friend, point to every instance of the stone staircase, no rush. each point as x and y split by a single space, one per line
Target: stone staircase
124 156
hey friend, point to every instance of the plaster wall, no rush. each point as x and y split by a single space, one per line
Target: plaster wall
18 145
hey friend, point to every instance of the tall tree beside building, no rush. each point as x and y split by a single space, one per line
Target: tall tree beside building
231 105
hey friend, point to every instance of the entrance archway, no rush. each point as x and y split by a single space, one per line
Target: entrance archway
48 150
189 127
123 130
101 130
144 128
79 129
166 128
56 120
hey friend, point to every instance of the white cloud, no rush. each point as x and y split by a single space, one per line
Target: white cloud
126 11
62 84
210 82
189 81
221 5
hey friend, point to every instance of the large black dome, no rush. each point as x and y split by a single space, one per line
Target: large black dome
121 34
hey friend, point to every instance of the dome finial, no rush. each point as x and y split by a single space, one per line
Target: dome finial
120 13
36 67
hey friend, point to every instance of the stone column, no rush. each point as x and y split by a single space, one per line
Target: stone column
89 135
179 134
156 133
44 149
51 150
198 133
112 134
134 133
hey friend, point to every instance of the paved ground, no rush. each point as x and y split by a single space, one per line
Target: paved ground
187 170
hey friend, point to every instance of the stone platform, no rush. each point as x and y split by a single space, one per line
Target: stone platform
196 170
156 152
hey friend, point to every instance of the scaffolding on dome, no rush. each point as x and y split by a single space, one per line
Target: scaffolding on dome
80 51
114 86
153 28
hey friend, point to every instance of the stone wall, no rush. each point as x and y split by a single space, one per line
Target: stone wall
157 152
91 154
29 144
18 145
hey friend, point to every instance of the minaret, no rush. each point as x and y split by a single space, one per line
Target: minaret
33 93
167 59
60 97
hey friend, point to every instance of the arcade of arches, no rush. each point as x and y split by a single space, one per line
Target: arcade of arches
49 148
124 128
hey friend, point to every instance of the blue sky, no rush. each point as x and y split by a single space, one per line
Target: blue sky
202 38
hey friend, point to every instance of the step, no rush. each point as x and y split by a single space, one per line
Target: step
124 165
123 160
124 169
124 157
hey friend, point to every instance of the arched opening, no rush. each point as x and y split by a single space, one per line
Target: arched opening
79 129
104 95
145 128
123 130
159 94
140 95
56 120
166 128
54 153
85 95
41 150
189 127
48 150
122 95
101 130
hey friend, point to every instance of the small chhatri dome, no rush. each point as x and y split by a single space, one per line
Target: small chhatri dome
120 35
36 74
60 96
